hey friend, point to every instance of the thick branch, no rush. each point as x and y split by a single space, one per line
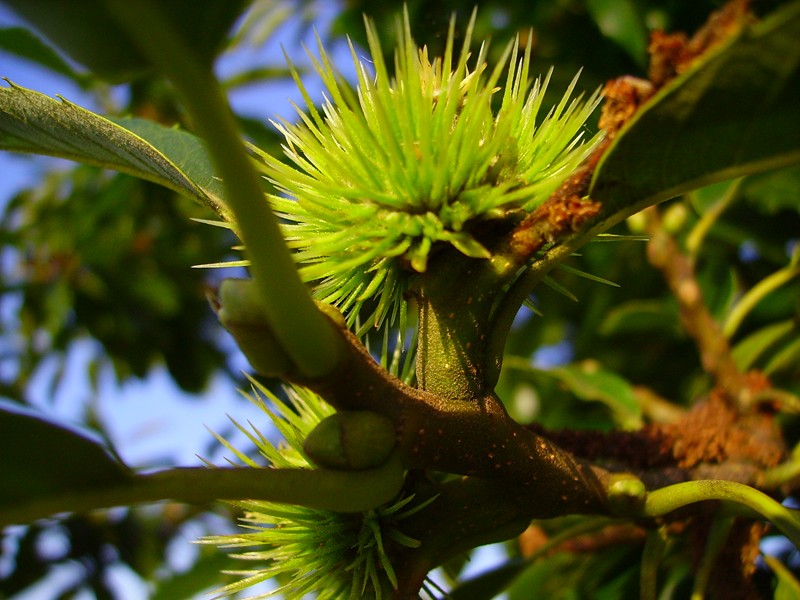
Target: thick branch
474 437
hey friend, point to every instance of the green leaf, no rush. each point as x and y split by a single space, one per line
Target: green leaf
88 32
202 576
623 22
607 574
24 44
33 122
719 286
489 584
589 381
788 587
185 150
773 192
752 348
786 358
42 459
733 113
653 317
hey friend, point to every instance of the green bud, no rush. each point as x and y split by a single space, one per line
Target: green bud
351 440
637 222
333 313
626 494
674 217
239 309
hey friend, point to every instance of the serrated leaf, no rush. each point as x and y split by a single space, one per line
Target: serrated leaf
33 122
187 151
42 459
589 381
733 113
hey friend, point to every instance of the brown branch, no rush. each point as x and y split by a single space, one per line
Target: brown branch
563 213
673 53
711 441
475 438
678 269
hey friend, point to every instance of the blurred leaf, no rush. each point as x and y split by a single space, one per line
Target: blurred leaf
119 273
788 587
748 352
25 44
42 459
656 317
567 576
88 32
205 573
589 381
33 122
774 191
731 114
623 22
490 584
717 281
785 359
255 76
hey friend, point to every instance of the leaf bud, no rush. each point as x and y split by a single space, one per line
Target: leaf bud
239 309
351 440
626 494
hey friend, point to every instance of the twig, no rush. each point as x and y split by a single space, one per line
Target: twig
678 269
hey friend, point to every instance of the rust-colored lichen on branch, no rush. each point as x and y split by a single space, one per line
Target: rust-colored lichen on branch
673 53
565 212
622 98
714 433
712 440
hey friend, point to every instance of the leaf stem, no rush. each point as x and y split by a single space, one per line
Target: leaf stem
717 536
325 489
654 547
665 500
698 233
783 473
307 337
758 292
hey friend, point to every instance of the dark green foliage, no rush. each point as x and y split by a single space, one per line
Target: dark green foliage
117 274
